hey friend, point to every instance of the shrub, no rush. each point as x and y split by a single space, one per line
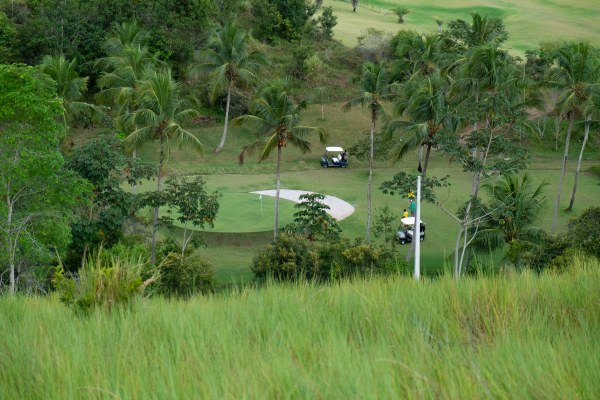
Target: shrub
185 276
101 284
584 231
292 257
375 45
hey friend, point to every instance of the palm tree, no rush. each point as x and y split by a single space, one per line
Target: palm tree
515 205
278 118
576 76
160 116
376 89
423 111
127 59
231 63
69 85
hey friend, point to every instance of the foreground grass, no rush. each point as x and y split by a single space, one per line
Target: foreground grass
515 336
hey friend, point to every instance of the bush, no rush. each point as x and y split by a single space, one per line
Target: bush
584 231
375 45
185 276
292 257
101 284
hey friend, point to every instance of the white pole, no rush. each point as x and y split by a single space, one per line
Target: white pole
261 208
417 233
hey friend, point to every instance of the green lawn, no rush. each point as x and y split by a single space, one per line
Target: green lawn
528 21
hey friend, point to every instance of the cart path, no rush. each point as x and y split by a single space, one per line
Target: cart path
338 208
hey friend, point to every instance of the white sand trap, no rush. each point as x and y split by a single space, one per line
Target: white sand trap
338 208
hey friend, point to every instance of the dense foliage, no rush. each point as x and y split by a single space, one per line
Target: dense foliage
293 257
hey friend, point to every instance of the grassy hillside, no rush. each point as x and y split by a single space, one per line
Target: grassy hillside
514 336
528 21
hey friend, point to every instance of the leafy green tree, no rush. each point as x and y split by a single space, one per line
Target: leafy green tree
326 22
100 222
231 64
38 194
376 89
191 204
312 220
287 20
161 116
8 36
277 117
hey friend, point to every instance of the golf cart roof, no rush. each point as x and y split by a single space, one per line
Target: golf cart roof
408 221
334 149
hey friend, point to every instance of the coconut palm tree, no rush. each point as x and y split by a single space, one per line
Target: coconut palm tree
127 59
69 85
161 115
514 207
277 117
376 89
576 76
231 64
422 111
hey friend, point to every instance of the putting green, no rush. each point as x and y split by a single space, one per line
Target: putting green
246 212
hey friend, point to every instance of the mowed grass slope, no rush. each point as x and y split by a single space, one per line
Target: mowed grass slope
528 22
517 336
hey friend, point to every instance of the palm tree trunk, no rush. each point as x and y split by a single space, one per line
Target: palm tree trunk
585 139
161 163
369 184
562 173
134 156
426 162
222 143
276 228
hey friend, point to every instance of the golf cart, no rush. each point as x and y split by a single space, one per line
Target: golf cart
334 157
405 231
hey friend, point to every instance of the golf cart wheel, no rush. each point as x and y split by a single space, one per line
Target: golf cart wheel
422 239
324 165
344 165
403 242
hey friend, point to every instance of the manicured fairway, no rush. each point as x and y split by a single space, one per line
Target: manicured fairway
529 22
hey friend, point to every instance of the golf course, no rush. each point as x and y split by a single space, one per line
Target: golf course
174 226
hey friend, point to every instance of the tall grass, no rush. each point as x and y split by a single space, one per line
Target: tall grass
513 336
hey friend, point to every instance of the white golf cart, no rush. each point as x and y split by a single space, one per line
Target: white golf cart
405 231
334 157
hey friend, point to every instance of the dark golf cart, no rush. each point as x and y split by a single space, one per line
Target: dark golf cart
334 157
405 231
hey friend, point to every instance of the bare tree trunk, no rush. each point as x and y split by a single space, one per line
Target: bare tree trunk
562 173
370 182
160 175
222 143
277 194
10 243
585 139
